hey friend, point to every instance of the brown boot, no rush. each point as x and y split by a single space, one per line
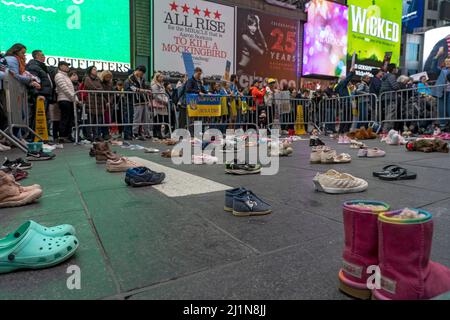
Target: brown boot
103 153
13 195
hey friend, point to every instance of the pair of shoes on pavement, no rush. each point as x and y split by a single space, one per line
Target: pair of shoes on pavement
12 194
399 244
326 155
143 177
244 203
371 153
33 247
19 163
334 182
242 169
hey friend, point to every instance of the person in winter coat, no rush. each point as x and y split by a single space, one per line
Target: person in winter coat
343 91
16 60
442 87
363 90
138 105
375 82
37 68
389 86
160 105
96 105
195 85
66 98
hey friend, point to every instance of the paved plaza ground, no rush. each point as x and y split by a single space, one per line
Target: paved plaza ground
147 244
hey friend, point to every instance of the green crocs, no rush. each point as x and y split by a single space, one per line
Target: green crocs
29 249
58 231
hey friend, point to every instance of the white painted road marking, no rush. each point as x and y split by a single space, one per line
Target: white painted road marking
181 184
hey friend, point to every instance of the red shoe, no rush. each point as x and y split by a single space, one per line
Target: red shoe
404 254
361 246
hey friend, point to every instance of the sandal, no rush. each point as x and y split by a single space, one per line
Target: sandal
400 174
29 249
387 170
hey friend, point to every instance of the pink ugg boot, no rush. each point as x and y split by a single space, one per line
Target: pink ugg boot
404 254
361 246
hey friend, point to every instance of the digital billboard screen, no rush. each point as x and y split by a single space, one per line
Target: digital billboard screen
436 48
413 11
325 39
82 32
374 33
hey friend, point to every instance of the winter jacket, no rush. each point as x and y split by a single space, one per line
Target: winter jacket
389 83
258 95
41 71
195 86
64 87
160 101
363 88
13 66
375 86
133 84
342 87
96 102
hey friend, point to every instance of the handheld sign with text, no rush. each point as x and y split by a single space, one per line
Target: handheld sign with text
204 106
189 64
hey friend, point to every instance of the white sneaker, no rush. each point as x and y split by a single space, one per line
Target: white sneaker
334 182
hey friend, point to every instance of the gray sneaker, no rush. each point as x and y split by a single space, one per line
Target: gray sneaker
250 205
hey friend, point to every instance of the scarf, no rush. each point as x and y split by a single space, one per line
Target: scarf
22 64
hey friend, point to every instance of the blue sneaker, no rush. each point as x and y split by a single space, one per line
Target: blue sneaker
249 204
229 197
142 177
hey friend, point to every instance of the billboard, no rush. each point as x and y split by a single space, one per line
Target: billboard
266 47
436 47
203 29
412 17
325 39
84 33
374 33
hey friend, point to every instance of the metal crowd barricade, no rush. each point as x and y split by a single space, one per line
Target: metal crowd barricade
346 113
236 113
292 113
414 107
17 112
132 113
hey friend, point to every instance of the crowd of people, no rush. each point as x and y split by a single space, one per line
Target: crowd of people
135 109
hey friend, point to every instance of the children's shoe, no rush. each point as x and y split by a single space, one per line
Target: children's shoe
334 182
143 177
40 156
375 153
229 197
250 205
121 165
404 246
362 153
242 169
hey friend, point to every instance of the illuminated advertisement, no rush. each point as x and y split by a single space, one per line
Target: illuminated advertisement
82 32
325 39
203 29
374 33
436 49
266 47
413 11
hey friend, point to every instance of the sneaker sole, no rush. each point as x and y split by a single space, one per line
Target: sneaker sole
228 209
338 191
242 172
144 184
251 214
362 294
39 159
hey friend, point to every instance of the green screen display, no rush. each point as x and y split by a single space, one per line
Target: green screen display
93 30
374 32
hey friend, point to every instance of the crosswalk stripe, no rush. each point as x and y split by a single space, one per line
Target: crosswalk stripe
181 184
